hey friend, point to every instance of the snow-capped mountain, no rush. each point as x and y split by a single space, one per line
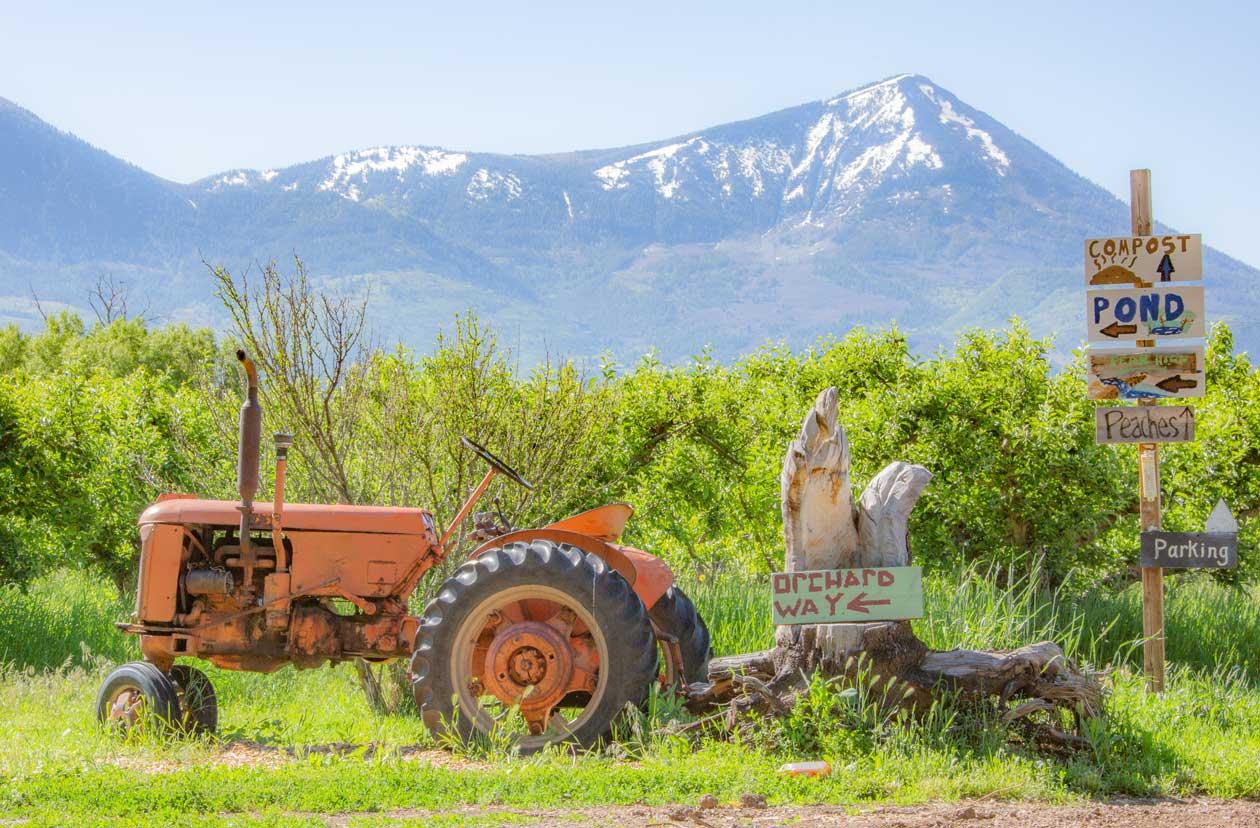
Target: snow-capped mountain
893 201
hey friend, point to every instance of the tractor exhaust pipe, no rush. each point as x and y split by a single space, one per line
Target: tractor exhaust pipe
247 457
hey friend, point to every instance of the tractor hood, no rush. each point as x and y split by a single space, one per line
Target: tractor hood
392 520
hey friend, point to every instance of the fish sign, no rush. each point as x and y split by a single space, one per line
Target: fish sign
1145 375
1144 424
1149 313
1143 261
826 596
1214 548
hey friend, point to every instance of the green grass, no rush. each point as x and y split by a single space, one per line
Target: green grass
66 617
1202 737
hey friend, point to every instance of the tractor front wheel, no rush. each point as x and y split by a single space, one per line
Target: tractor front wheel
136 694
197 699
532 643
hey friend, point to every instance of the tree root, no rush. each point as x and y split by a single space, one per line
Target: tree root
1034 681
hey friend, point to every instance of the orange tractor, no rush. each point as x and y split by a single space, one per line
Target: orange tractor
560 623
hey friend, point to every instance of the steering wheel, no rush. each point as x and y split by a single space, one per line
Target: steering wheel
495 463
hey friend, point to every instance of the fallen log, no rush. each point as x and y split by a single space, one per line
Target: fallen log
824 529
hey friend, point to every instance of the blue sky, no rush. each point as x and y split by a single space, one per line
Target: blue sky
187 90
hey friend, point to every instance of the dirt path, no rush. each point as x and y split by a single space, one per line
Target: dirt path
1139 814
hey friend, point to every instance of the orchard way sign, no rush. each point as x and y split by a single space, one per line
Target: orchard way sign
824 596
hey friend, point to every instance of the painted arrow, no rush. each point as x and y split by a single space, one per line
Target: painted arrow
1166 269
1115 329
860 604
1175 383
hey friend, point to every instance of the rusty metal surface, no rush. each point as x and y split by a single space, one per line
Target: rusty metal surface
367 565
394 520
313 631
469 502
524 655
653 577
161 551
604 523
250 434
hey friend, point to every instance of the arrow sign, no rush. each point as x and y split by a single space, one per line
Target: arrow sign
1140 261
827 596
1166 269
1144 424
1165 312
861 603
1145 375
1115 329
1176 383
1221 519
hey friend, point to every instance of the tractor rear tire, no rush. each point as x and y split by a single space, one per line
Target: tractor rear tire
675 615
135 693
612 615
197 699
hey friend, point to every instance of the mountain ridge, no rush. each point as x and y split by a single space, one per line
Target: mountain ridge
895 199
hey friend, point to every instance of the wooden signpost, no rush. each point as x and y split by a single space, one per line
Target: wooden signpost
1131 298
827 596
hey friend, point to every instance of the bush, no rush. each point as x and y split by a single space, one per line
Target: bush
94 422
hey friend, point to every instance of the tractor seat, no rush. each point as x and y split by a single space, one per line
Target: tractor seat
311 517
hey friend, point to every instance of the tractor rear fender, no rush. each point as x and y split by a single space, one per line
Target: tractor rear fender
648 575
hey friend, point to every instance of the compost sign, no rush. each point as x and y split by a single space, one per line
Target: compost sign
1141 261
826 596
1144 424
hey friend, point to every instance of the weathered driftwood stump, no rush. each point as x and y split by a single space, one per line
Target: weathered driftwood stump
824 529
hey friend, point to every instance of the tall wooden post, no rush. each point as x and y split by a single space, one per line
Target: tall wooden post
1148 479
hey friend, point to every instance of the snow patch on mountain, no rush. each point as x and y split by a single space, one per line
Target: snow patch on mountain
949 116
234 178
351 167
848 147
865 90
485 184
656 161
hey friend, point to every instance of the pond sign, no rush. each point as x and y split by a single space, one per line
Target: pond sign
1156 313
826 596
